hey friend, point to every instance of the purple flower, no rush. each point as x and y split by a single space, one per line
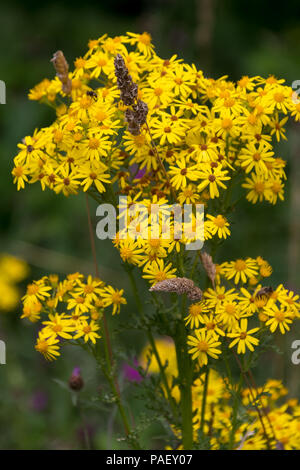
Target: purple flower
130 373
76 372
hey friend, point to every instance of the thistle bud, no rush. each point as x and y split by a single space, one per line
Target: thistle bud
76 382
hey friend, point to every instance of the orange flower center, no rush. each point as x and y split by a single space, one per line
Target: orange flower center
240 265
202 346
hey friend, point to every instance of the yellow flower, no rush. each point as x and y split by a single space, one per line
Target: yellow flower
32 311
100 62
276 190
113 297
159 94
157 271
36 291
188 195
94 174
167 130
92 288
58 325
96 146
213 178
143 42
216 297
243 338
259 188
265 270
218 225
212 327
277 127
181 173
88 331
255 157
241 270
20 173
66 182
130 251
195 316
279 318
47 346
228 313
79 303
203 345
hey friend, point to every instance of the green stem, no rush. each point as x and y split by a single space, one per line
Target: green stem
151 340
205 387
185 372
234 413
109 377
196 261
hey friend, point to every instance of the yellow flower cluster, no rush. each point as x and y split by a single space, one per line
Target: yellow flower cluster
206 131
278 428
280 421
224 312
152 241
12 271
201 138
68 310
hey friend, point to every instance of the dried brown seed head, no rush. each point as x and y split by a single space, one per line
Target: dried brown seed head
62 71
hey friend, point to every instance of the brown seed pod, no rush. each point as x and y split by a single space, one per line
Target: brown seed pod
62 71
179 285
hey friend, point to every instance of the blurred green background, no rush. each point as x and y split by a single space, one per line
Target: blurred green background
50 232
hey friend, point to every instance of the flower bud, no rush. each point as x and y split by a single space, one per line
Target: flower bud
76 382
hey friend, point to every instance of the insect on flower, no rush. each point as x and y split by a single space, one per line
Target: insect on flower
266 291
92 94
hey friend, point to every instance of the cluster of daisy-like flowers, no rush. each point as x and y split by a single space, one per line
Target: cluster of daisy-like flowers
194 138
68 310
12 271
207 131
279 426
240 310
158 132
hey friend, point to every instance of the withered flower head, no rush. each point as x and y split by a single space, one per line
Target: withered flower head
179 285
127 87
62 71
208 265
136 116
